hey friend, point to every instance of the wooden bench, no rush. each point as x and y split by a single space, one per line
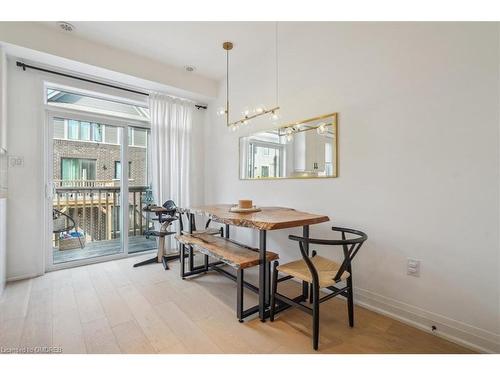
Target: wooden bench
228 252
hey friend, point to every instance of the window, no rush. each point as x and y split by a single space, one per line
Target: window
94 103
265 160
79 130
118 170
77 169
137 137
264 172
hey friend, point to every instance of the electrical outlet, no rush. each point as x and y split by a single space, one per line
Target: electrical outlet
413 267
16 161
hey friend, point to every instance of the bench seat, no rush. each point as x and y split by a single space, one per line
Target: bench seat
235 255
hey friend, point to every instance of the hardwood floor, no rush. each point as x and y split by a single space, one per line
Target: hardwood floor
114 308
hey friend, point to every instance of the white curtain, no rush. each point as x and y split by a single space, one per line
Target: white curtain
171 123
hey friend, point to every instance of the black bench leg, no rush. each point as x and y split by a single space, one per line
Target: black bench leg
239 298
274 290
182 254
191 259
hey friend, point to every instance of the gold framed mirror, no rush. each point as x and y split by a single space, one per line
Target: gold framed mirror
304 149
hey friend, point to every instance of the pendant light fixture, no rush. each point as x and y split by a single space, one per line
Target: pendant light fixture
249 115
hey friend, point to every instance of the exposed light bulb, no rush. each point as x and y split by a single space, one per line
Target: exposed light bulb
233 128
244 122
289 131
221 111
321 128
260 109
275 116
289 138
246 112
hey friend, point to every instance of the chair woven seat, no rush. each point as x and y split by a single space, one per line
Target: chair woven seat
327 270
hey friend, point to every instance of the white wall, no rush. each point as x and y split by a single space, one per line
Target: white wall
25 257
36 37
418 160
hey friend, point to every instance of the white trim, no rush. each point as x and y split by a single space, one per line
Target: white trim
83 262
88 116
453 330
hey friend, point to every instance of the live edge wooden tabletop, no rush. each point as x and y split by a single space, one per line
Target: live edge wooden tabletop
269 218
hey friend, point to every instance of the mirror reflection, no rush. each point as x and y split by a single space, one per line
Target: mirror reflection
305 149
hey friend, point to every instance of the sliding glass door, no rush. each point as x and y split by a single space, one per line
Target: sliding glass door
87 189
97 176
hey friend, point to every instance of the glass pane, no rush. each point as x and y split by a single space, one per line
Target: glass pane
118 170
139 194
70 169
87 222
97 132
85 131
73 129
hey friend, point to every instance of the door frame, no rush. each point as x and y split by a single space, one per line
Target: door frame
47 187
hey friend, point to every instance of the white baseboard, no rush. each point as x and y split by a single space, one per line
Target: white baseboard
22 277
458 332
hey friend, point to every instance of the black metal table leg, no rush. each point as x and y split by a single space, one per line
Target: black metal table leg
263 285
148 261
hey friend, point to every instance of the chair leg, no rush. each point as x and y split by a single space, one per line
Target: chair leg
350 302
273 291
315 316
206 262
239 295
311 285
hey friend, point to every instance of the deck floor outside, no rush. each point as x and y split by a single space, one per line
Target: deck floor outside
103 248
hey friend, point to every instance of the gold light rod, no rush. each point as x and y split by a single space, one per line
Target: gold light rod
246 118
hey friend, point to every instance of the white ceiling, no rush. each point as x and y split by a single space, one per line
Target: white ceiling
183 43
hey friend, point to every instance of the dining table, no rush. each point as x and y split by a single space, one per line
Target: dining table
264 220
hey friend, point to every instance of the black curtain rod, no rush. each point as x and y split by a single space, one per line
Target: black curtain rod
26 66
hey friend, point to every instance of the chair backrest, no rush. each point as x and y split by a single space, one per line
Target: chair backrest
62 222
350 247
170 206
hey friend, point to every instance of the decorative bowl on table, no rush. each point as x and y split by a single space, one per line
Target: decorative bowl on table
244 206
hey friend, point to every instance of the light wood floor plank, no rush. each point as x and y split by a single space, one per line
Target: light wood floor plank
67 332
89 306
99 338
112 308
131 338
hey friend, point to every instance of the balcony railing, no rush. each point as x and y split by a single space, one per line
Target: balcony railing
88 183
96 209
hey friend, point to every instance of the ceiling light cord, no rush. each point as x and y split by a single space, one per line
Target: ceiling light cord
276 63
227 87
